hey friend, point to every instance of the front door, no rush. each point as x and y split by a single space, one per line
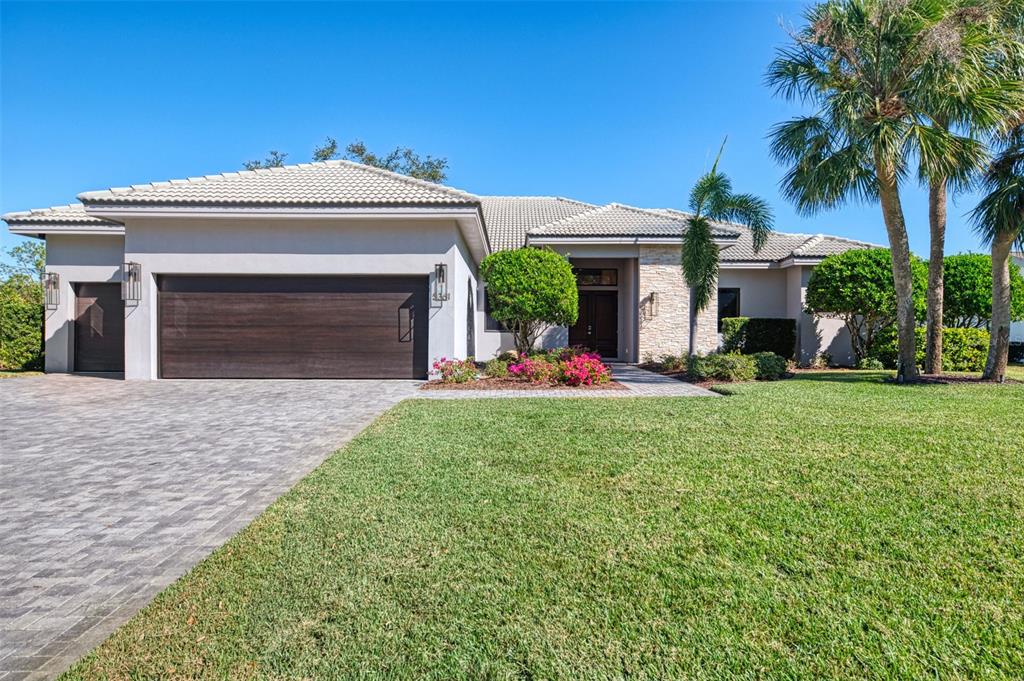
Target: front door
597 327
99 328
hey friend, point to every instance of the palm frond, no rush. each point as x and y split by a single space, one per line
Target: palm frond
752 212
700 261
1001 209
944 154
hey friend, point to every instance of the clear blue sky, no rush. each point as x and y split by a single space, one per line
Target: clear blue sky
603 102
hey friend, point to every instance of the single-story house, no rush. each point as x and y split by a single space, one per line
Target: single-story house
337 269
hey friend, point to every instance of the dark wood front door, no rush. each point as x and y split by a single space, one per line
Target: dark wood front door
99 328
293 327
597 326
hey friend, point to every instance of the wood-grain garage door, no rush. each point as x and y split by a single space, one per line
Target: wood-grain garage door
293 327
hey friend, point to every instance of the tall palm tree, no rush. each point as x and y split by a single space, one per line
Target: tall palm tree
712 200
868 66
975 92
999 220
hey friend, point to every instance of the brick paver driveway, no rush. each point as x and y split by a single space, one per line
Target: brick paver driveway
111 490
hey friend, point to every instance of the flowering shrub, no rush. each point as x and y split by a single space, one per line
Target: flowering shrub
534 369
569 366
455 370
584 369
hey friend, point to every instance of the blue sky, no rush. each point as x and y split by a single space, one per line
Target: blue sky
599 102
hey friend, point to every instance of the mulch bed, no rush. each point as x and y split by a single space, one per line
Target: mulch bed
944 379
516 384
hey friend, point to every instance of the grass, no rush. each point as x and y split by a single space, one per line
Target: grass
827 526
18 373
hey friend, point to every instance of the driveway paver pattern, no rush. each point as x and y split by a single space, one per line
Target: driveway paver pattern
110 490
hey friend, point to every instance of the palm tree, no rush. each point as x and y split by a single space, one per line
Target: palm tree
999 220
974 92
712 200
869 66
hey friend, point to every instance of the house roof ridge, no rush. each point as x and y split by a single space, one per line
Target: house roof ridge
97 194
811 241
570 218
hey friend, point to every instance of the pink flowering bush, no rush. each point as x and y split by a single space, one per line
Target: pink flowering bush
562 366
584 369
534 370
455 370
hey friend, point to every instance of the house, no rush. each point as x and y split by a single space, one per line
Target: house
337 269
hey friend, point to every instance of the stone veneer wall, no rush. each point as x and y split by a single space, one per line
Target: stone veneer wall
668 331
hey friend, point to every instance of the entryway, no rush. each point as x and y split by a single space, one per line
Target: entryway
99 328
597 327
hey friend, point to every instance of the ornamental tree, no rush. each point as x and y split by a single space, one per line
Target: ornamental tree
530 290
857 287
968 296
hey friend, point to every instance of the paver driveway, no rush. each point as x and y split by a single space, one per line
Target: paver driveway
111 490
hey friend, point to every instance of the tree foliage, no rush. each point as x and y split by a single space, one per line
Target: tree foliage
878 74
857 287
530 290
399 160
968 291
21 307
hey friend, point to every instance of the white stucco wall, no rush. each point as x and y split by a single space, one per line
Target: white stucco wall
329 246
815 335
76 259
762 292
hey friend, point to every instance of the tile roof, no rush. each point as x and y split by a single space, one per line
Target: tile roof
325 183
508 218
72 214
781 245
618 220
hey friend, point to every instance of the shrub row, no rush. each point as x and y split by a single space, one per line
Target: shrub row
963 349
21 320
751 335
732 366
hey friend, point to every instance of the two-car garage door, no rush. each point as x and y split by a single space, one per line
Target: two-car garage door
292 327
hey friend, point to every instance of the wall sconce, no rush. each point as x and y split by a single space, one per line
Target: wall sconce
51 289
131 282
441 282
652 304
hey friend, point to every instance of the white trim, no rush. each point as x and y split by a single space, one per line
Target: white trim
39 231
312 212
584 241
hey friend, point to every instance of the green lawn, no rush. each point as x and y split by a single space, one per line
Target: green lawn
828 526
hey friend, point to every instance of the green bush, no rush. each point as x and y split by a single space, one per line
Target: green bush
967 295
673 363
751 335
529 290
21 321
964 349
733 331
1017 353
870 364
723 367
496 369
770 367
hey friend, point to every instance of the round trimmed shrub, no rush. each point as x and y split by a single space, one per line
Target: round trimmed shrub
770 367
723 367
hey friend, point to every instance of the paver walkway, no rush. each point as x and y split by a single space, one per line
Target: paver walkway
110 490
639 383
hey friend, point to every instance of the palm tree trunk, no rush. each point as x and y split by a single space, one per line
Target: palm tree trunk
693 327
899 245
936 274
999 342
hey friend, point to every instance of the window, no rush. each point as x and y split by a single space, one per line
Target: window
597 277
490 323
728 304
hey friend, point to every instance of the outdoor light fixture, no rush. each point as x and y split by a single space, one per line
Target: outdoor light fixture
441 282
51 289
131 282
652 305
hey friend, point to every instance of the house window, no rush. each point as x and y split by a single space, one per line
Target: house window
728 304
490 323
597 277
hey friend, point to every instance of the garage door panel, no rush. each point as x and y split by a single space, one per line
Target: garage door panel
293 327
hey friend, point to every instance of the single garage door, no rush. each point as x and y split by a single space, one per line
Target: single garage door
293 327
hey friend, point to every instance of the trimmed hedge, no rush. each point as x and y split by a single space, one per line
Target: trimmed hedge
21 321
962 349
1017 352
723 367
770 367
751 335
